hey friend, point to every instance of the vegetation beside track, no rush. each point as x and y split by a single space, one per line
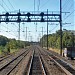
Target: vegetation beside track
11 45
68 39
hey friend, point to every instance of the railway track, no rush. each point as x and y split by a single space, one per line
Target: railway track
67 68
9 58
7 68
4 57
36 65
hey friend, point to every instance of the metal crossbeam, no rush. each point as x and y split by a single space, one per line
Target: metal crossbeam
29 17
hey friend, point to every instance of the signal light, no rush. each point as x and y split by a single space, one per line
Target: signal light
28 14
42 14
7 19
28 20
42 19
19 19
19 14
7 14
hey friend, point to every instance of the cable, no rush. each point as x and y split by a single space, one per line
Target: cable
8 32
11 4
68 26
38 4
71 6
53 28
44 4
69 15
3 7
6 5
34 6
6 27
65 4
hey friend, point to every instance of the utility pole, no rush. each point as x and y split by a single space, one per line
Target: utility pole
31 38
42 42
61 27
19 32
19 28
73 39
47 29
26 33
42 37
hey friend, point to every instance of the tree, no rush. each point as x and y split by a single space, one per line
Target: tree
3 40
68 39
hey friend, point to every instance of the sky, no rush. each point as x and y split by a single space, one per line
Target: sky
34 30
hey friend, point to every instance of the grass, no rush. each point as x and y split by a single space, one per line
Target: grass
5 51
0 52
13 50
55 50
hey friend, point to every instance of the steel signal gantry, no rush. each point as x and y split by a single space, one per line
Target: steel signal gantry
29 17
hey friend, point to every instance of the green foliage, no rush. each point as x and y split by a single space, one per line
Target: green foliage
3 40
11 45
1 49
54 39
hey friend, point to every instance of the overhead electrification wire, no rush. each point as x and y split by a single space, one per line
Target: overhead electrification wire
38 4
69 15
69 8
67 25
6 5
34 6
7 28
3 7
54 27
44 4
8 32
65 4
11 4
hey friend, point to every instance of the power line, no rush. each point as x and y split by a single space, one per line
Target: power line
3 7
69 15
69 8
8 32
38 4
54 28
11 4
65 4
67 25
7 28
44 4
6 5
34 6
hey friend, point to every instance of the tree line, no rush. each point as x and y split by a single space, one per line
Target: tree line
6 44
68 39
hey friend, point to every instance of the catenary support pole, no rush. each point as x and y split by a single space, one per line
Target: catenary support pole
61 27
47 29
